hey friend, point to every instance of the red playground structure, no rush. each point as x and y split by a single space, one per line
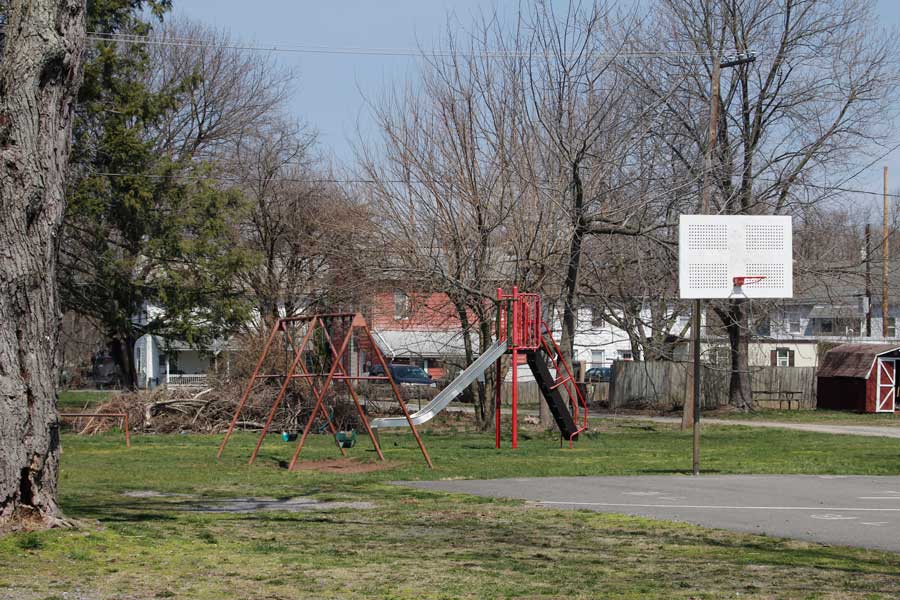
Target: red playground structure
521 326
317 360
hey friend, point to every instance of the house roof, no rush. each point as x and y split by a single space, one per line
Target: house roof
852 360
410 343
826 311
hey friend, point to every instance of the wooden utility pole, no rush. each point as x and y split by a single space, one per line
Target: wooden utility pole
886 256
704 209
868 252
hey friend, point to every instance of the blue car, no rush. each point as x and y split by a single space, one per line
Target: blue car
597 374
405 374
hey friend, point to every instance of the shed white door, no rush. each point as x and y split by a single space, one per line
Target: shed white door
887 378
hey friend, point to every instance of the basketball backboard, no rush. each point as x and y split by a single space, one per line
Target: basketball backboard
715 249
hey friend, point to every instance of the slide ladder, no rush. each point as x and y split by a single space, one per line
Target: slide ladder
456 387
550 389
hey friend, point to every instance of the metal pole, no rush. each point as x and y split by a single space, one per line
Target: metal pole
886 256
497 398
695 327
514 412
240 407
498 382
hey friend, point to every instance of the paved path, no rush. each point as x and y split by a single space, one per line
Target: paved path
865 430
846 510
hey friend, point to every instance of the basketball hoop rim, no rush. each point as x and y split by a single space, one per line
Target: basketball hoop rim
742 279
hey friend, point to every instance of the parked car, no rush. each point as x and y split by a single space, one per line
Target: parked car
405 374
105 372
597 374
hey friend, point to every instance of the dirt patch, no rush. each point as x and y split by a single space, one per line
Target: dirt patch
342 465
151 494
241 504
298 504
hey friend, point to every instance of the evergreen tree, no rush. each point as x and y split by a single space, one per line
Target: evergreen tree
147 225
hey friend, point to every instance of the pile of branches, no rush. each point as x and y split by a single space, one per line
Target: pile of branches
210 410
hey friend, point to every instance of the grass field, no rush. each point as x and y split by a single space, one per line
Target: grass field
82 400
408 543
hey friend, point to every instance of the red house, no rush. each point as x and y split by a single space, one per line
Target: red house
859 377
422 329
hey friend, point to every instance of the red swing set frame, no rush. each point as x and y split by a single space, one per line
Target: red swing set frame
342 326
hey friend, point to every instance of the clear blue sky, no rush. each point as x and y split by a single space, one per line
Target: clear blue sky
331 89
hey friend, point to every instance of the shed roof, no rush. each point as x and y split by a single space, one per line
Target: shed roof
852 360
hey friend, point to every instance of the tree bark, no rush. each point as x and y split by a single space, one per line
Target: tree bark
40 73
122 350
737 325
573 268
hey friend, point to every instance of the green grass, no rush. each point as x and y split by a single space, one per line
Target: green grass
421 544
826 417
80 400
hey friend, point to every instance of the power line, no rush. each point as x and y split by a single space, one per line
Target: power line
288 47
238 179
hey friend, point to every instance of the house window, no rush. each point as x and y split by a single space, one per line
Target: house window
826 326
598 358
782 357
401 306
625 355
719 356
793 324
892 327
139 354
597 318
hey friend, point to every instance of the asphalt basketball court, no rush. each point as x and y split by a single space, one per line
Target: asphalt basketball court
830 509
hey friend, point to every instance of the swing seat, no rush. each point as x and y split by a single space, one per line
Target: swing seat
346 438
288 437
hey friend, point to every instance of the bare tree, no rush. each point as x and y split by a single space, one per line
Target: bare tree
303 227
803 114
444 191
40 71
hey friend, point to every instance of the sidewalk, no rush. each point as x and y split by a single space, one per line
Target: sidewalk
865 430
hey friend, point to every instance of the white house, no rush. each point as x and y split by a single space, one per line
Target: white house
164 362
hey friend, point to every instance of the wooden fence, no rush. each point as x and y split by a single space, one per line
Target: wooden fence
530 394
661 384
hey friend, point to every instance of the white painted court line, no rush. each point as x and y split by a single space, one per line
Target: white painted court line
878 497
713 506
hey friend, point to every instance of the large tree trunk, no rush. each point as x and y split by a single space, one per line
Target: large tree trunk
570 285
737 325
487 388
39 76
473 393
122 351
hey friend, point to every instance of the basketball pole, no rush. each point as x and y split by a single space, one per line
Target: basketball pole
704 209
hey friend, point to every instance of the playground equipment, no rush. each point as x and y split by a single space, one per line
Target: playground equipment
520 331
319 362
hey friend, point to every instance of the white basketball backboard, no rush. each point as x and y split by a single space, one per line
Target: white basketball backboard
714 249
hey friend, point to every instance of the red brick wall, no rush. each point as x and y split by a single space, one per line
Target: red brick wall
427 312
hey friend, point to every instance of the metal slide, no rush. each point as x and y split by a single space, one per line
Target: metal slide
440 402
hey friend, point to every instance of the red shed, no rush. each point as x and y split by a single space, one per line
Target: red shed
860 377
